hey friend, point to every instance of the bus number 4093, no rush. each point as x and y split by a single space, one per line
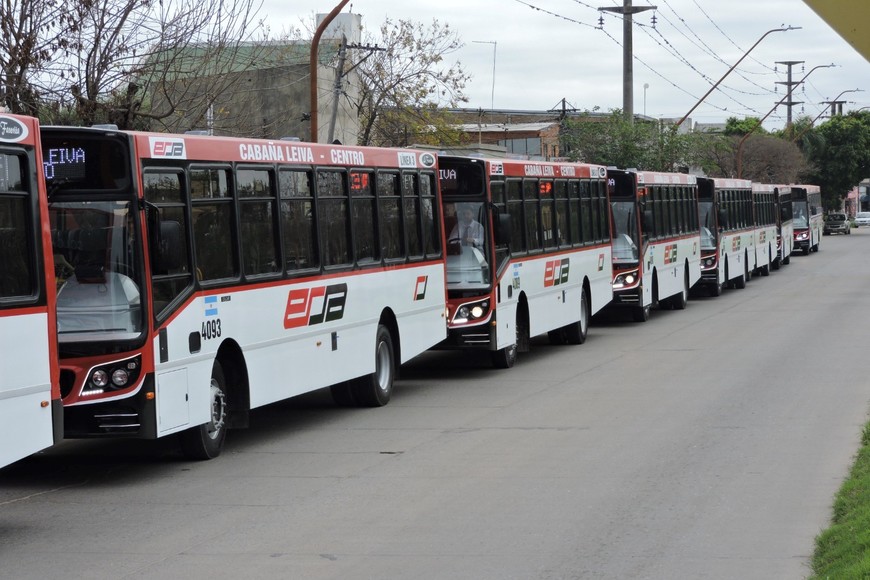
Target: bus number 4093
211 329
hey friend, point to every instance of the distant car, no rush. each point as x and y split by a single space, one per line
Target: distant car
837 223
862 219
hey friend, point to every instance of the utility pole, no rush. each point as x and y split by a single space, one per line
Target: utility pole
627 11
336 88
789 84
836 107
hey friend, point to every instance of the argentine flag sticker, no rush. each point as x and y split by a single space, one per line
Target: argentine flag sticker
211 305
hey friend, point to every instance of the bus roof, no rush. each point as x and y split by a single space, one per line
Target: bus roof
530 168
770 187
655 177
729 183
169 146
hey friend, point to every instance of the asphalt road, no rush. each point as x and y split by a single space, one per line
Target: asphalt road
706 443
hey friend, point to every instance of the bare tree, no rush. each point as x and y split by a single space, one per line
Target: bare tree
32 34
406 82
125 61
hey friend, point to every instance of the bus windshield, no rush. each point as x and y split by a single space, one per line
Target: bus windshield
467 245
96 266
708 226
625 235
800 214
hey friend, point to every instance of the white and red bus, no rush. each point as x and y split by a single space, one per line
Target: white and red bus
30 409
656 239
806 201
728 253
764 213
782 216
212 275
528 252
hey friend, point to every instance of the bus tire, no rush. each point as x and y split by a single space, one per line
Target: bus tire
776 263
740 283
787 259
504 358
641 313
681 300
206 441
576 332
376 389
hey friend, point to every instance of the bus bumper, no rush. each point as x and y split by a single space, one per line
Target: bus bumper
133 416
480 337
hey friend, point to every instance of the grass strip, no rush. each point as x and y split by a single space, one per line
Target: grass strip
843 550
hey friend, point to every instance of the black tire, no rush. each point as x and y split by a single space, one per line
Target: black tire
505 358
576 332
641 313
376 389
787 259
716 289
740 283
681 300
776 264
206 441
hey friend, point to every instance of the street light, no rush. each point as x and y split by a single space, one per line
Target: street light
831 102
707 94
781 101
494 46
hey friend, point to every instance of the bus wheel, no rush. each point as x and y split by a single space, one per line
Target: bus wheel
681 300
776 263
641 313
576 331
375 389
207 441
504 358
787 259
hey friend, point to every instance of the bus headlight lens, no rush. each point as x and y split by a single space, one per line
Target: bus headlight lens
120 378
100 378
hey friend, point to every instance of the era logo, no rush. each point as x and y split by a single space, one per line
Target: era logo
167 147
556 272
310 306
420 287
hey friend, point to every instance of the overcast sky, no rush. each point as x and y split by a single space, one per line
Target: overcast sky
544 51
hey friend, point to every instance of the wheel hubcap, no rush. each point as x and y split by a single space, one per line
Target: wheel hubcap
218 410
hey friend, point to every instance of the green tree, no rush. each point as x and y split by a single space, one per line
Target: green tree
740 127
612 140
839 153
